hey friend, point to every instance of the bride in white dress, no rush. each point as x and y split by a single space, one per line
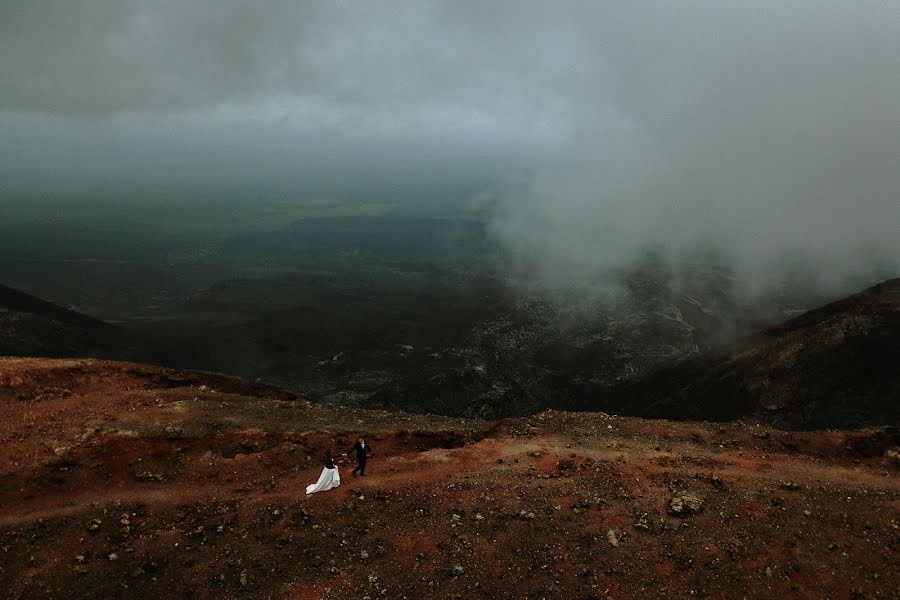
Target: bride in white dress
330 478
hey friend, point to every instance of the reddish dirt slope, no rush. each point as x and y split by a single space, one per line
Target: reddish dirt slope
125 481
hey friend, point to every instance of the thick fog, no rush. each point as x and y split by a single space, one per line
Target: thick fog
769 135
764 130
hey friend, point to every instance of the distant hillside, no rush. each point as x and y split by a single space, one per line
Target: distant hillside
834 367
30 326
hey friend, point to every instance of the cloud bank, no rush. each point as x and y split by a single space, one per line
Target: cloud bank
768 134
764 129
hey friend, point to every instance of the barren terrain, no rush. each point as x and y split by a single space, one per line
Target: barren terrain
119 480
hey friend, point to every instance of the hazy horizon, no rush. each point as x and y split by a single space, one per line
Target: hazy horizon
585 133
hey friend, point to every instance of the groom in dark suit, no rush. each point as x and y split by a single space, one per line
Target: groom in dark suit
363 450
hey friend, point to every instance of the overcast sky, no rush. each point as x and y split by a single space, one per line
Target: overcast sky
773 126
392 67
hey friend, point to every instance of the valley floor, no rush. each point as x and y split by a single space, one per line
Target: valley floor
123 480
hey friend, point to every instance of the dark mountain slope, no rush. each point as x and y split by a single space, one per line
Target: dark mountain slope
834 367
30 326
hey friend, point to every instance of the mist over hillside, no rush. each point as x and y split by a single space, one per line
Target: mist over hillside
763 136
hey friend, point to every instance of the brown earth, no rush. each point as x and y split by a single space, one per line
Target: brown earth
119 480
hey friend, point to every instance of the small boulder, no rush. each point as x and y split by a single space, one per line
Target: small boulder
685 504
643 523
613 536
893 454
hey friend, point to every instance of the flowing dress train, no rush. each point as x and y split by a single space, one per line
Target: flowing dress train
330 478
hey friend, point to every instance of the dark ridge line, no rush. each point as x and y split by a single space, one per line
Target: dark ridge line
13 299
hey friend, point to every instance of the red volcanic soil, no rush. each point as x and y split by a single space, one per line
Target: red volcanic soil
120 480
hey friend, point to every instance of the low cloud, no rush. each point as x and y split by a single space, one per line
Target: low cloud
764 130
768 135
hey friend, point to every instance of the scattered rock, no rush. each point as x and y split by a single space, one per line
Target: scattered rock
113 556
685 504
94 525
614 537
789 485
173 430
582 505
643 523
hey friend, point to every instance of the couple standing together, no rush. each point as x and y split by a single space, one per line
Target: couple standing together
330 478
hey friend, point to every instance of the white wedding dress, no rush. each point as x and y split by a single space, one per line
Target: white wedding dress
330 478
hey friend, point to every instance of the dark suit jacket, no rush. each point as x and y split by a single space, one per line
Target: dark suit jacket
360 451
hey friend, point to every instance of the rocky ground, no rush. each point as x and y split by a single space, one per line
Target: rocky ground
119 480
